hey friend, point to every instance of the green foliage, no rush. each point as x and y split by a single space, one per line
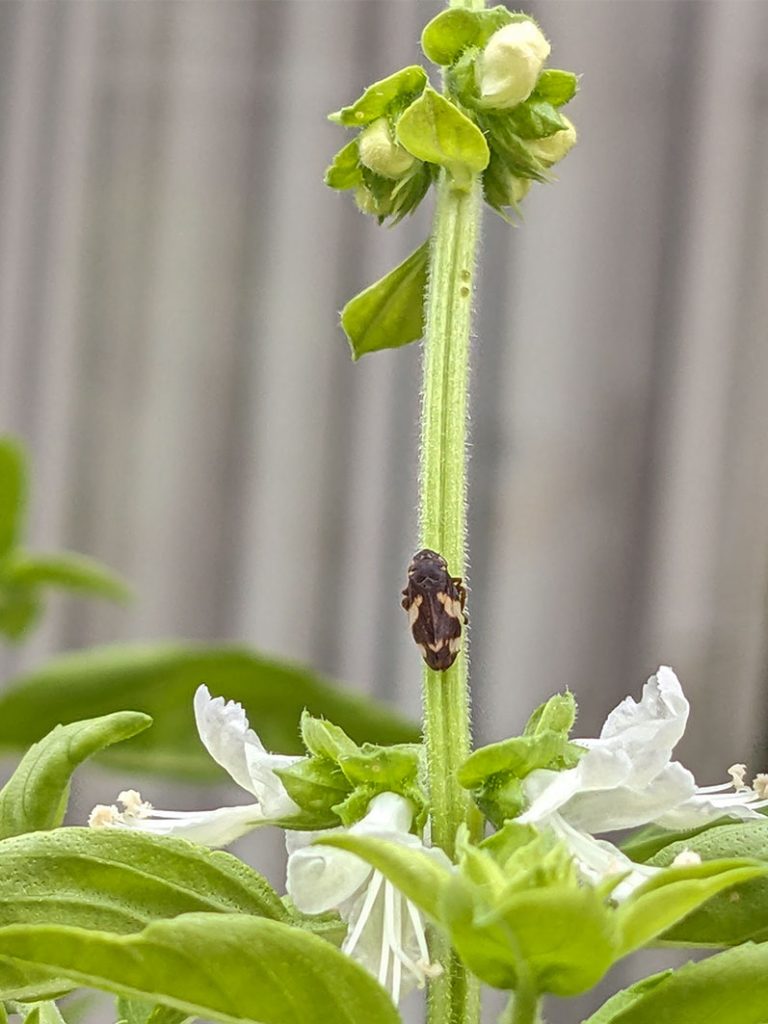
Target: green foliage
453 31
138 1011
35 797
339 779
735 916
434 130
390 312
160 680
382 98
222 967
25 576
731 988
495 772
120 881
13 493
516 908
556 87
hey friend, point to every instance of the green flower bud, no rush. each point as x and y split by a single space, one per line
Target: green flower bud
507 69
367 203
380 153
556 146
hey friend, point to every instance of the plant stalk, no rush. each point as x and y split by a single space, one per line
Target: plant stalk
454 996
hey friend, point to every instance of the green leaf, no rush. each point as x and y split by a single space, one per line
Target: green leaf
555 715
626 998
345 171
20 609
734 916
316 786
536 119
161 679
68 571
386 96
13 492
519 756
645 843
139 1011
556 87
390 312
228 968
35 797
43 1013
561 935
670 896
415 873
25 984
324 739
449 34
120 881
731 988
435 130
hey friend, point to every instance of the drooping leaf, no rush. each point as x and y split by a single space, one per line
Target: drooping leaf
730 988
13 492
35 797
119 880
65 570
433 129
382 97
229 968
390 312
739 914
161 680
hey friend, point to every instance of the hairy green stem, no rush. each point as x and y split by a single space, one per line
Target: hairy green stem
454 996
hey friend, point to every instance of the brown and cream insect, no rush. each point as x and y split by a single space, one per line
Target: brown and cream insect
435 602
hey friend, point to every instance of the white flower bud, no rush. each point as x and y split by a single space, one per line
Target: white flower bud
380 153
509 66
556 146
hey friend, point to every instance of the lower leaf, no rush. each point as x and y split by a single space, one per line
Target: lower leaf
221 967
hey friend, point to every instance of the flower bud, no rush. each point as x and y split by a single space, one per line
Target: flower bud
367 203
509 66
556 146
380 153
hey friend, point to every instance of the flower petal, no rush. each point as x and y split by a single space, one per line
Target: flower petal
319 878
648 731
625 807
211 828
225 733
267 786
700 810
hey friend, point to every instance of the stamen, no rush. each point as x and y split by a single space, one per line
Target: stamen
418 928
365 912
134 806
760 785
737 773
103 816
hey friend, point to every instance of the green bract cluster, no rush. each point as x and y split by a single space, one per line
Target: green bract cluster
499 117
337 781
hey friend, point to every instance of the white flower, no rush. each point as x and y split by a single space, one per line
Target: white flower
555 147
508 67
380 153
385 931
225 733
627 778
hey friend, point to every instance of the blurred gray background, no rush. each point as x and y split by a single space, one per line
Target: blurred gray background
171 268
